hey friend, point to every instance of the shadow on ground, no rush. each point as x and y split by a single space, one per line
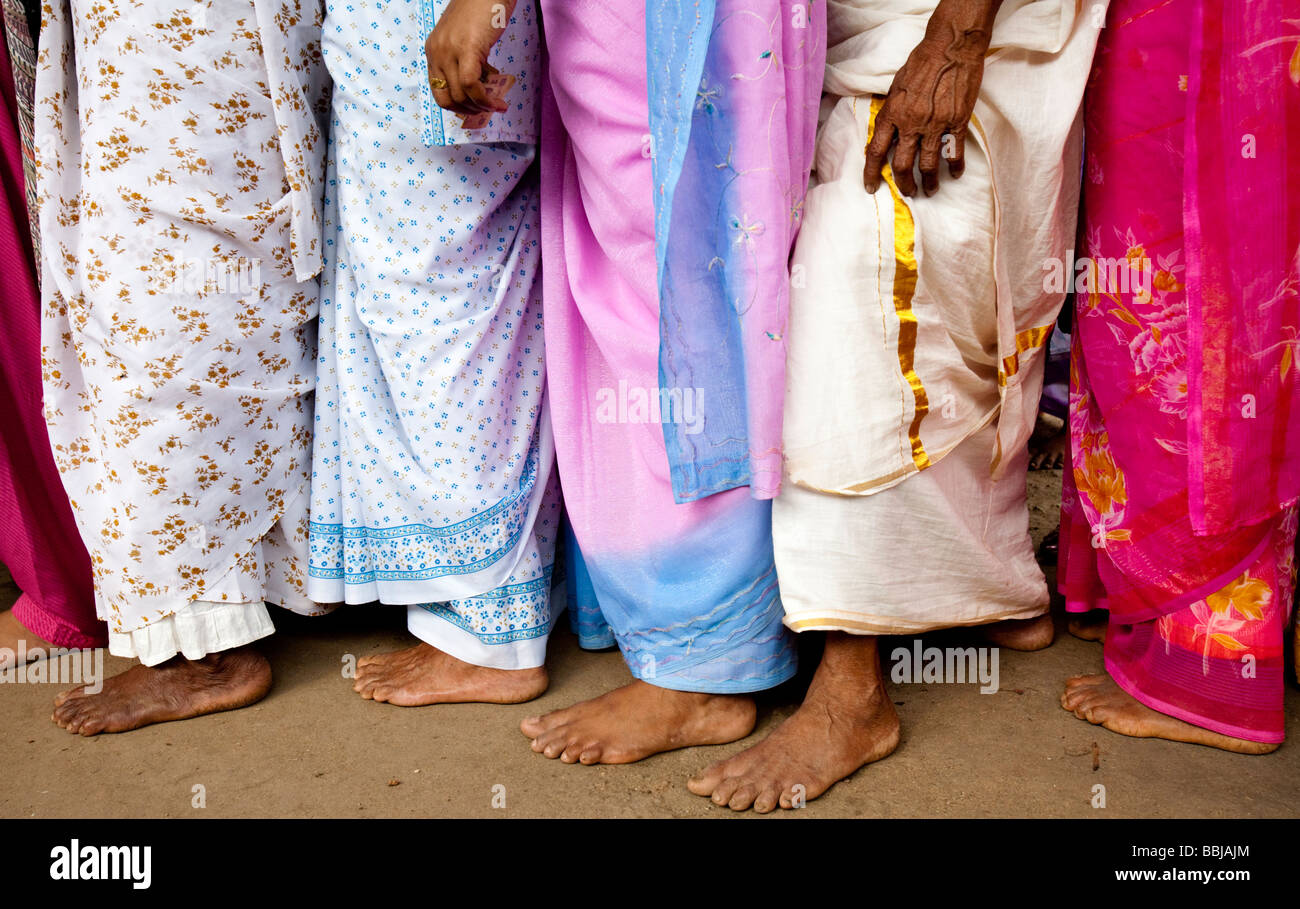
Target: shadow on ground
314 749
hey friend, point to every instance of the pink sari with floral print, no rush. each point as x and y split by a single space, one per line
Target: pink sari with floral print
1178 512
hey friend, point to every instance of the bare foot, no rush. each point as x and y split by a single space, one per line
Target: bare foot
1089 626
1022 634
1048 443
11 634
1049 551
638 720
845 722
175 690
1097 699
423 674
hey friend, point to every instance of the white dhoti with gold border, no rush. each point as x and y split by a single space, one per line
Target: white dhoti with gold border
917 329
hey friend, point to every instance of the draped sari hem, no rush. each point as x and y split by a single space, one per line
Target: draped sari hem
1272 736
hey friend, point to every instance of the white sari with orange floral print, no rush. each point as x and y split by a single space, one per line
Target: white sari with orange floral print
180 156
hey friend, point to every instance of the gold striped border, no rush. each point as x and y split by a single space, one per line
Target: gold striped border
905 275
1029 339
804 624
891 628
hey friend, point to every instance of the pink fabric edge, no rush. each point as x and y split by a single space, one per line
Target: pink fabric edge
1214 585
51 628
1178 713
1194 238
1081 606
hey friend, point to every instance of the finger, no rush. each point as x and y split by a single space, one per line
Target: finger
931 146
903 163
455 90
882 137
438 86
468 73
957 152
434 58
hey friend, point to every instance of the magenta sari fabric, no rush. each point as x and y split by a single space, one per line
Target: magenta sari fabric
1178 509
1241 212
39 544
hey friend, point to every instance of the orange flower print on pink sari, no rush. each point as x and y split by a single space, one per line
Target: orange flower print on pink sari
1100 484
1293 67
1223 619
1171 365
1236 620
1145 309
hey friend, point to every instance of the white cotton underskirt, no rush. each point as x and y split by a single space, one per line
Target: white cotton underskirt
194 631
437 631
235 615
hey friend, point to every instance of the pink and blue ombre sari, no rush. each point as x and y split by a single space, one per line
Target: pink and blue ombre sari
1179 513
671 195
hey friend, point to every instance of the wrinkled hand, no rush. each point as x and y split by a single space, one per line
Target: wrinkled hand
457 52
933 94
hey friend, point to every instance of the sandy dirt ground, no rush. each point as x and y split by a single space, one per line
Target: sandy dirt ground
313 748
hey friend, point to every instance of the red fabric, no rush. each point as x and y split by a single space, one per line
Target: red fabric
1241 215
39 541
